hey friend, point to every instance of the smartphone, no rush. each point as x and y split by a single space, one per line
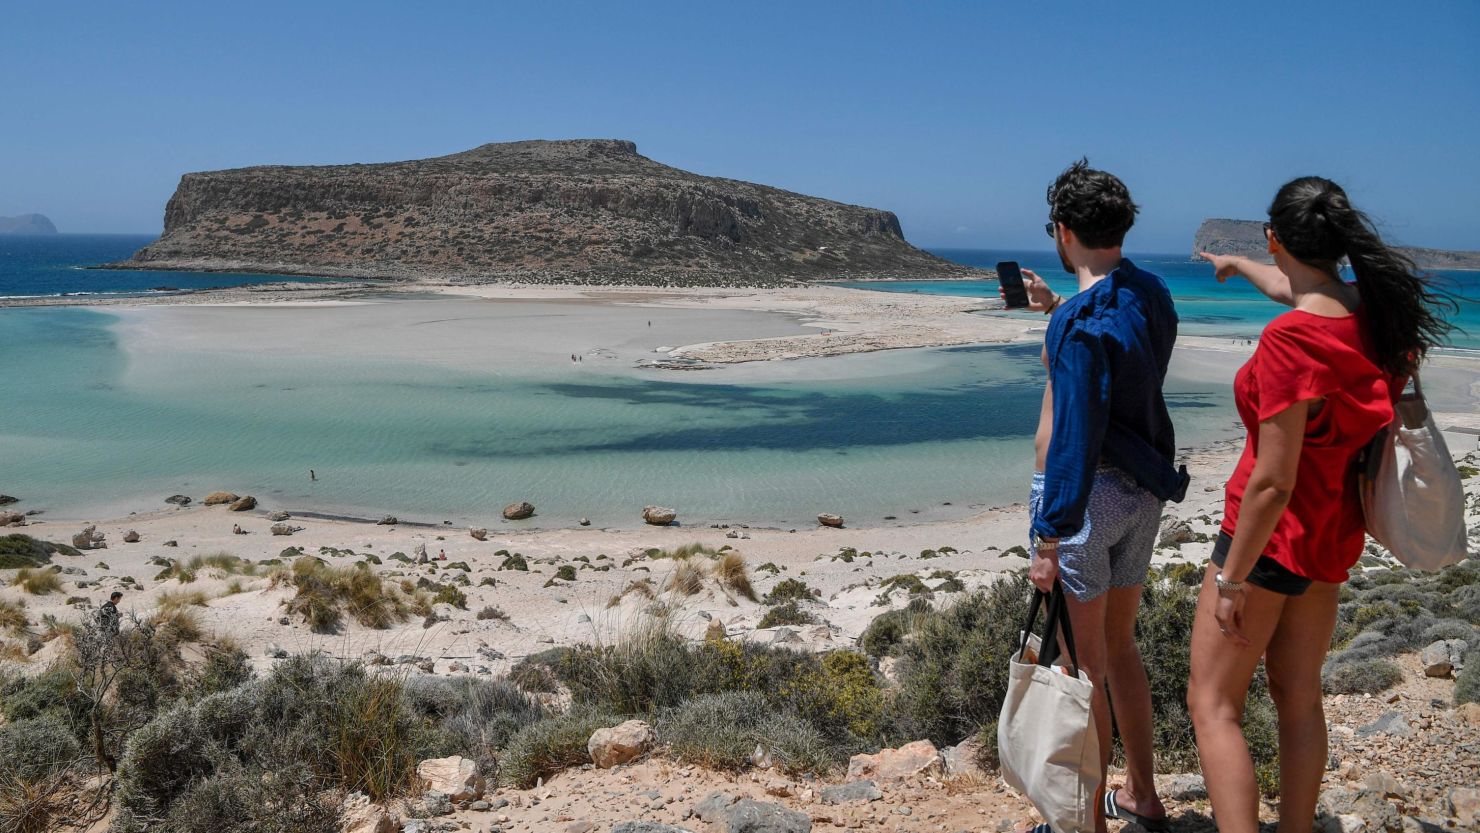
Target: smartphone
1010 275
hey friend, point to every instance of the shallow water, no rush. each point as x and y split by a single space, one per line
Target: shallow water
110 412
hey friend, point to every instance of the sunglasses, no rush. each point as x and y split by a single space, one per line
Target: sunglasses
1051 227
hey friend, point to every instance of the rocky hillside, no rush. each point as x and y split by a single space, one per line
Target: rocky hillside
1246 237
27 224
581 210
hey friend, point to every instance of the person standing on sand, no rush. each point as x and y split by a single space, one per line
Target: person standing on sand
1104 462
108 615
1318 388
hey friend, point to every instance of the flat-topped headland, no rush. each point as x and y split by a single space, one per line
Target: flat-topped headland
1246 238
590 211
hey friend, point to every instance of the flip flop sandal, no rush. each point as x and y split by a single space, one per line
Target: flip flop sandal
1115 811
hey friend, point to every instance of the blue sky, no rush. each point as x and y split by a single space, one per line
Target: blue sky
953 115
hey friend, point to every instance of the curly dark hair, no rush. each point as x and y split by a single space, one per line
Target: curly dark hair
1407 311
1095 205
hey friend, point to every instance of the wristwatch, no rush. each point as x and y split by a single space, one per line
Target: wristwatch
1225 584
1044 544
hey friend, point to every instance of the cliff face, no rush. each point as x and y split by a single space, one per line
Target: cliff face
1246 237
27 224
585 210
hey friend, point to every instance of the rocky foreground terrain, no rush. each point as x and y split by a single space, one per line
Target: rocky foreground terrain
581 211
1246 237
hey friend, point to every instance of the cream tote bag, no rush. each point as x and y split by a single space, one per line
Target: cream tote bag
1412 497
1046 736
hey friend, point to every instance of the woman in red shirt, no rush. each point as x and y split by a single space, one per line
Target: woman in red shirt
1318 388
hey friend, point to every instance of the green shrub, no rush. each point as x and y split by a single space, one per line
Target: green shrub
36 748
283 799
542 749
566 573
515 562
475 718
884 634
909 582
1364 676
722 731
18 550
492 612
786 614
789 590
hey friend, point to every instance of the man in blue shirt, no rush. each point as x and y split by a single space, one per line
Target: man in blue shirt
1104 460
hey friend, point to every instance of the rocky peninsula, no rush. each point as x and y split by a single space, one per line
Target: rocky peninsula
1246 237
587 211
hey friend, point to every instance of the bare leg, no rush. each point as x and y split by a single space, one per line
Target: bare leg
1221 671
1088 620
1294 660
1131 702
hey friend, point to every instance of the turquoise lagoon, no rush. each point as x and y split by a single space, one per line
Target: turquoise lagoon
92 428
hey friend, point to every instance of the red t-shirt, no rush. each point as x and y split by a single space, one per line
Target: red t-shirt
1306 356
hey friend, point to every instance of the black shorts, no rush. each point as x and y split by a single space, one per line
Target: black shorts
1268 574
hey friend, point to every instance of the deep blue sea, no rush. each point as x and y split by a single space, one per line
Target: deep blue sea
55 264
1233 310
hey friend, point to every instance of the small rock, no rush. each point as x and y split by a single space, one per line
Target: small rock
388 520
582 826
1175 533
131 537
456 777
215 498
436 803
518 511
585 521
275 651
243 504
619 744
1463 803
1188 786
178 500
647 827
480 806
479 533
1391 723
853 791
961 758
1385 784
910 760
659 515
279 515
283 529
171 543
1442 657
829 519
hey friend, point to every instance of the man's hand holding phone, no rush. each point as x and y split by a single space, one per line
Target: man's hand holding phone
1040 296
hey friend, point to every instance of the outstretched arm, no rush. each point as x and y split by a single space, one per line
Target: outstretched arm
1265 277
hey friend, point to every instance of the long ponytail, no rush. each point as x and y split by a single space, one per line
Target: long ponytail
1316 223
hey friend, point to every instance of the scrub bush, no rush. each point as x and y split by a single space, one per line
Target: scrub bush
1360 676
542 749
786 614
721 731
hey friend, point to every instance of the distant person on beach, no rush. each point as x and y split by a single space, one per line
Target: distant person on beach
108 615
311 475
1320 385
236 529
1104 462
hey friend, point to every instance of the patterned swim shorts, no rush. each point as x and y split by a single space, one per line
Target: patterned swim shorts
1113 548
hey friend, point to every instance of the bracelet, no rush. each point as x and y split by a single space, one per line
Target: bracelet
1057 299
1226 585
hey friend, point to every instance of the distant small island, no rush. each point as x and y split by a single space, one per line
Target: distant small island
587 211
27 224
1246 238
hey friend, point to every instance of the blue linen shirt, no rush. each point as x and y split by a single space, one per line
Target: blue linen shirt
1108 349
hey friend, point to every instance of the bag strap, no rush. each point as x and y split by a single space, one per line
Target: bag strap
1058 618
1033 607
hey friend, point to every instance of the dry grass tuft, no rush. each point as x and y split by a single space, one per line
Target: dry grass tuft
13 617
325 593
181 623
37 582
217 563
172 600
730 571
687 577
